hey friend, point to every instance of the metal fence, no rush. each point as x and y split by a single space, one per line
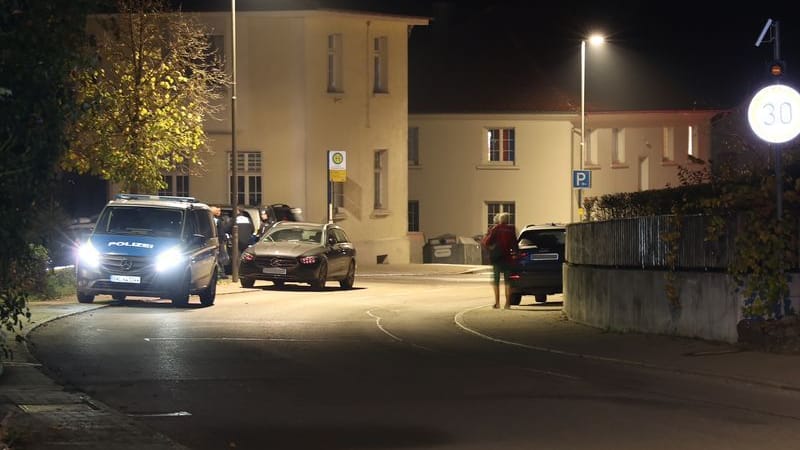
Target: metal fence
639 243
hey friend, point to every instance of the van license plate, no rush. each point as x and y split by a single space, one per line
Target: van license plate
125 279
274 270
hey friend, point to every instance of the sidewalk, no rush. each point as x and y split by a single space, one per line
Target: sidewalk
47 416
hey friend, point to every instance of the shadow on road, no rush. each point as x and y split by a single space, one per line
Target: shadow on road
159 303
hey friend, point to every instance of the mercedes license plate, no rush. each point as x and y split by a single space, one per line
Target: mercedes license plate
125 279
274 270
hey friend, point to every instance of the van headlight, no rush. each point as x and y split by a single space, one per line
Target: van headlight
88 255
169 259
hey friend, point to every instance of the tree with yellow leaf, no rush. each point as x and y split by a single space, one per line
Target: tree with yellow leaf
143 105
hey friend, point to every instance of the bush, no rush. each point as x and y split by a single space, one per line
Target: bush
58 283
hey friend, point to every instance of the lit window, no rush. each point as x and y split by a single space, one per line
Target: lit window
335 63
338 198
381 182
691 146
413 146
215 56
590 155
380 63
501 144
618 146
669 144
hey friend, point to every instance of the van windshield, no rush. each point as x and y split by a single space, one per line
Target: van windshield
141 220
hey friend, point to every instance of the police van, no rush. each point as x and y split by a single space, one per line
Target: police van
150 246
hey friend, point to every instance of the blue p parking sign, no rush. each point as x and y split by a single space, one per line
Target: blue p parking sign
581 179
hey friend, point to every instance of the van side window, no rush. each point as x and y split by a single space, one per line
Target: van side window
204 225
191 225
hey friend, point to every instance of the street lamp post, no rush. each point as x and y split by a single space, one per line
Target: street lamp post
594 39
234 175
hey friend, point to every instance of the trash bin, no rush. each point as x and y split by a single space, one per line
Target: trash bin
484 251
452 249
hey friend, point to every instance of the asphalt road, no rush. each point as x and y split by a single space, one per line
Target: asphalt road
396 363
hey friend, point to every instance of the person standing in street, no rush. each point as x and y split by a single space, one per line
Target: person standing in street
223 233
265 223
501 242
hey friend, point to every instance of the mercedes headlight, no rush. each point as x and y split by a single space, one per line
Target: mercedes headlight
169 259
88 255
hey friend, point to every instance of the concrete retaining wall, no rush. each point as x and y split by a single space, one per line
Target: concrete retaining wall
636 300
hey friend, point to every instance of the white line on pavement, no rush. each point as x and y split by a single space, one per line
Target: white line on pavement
380 327
150 339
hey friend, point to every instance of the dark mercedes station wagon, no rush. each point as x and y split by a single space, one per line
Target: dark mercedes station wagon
300 252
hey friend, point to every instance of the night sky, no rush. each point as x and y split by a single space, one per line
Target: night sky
518 55
521 56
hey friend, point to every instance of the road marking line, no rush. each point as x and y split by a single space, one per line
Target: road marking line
211 323
459 320
21 364
396 338
150 339
172 414
554 374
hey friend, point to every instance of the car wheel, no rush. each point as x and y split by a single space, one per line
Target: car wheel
247 282
208 294
181 296
85 298
278 283
322 277
541 298
350 278
515 299
118 297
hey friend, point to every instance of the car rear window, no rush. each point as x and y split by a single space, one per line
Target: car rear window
545 239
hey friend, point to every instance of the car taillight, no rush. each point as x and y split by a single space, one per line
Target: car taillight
248 256
308 260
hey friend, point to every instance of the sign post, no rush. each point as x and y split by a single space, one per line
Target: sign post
774 116
337 173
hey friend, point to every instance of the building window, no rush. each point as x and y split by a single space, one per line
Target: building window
494 208
215 57
337 198
335 63
644 173
248 174
380 65
617 146
381 183
669 145
590 157
692 149
177 185
501 144
413 146
413 215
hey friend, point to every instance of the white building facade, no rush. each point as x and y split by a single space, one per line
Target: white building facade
464 168
310 82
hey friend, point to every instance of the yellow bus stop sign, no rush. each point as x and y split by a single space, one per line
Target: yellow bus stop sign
337 166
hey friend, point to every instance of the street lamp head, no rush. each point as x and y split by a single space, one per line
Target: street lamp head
596 39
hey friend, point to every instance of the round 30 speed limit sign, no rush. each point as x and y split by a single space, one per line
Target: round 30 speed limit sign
774 114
